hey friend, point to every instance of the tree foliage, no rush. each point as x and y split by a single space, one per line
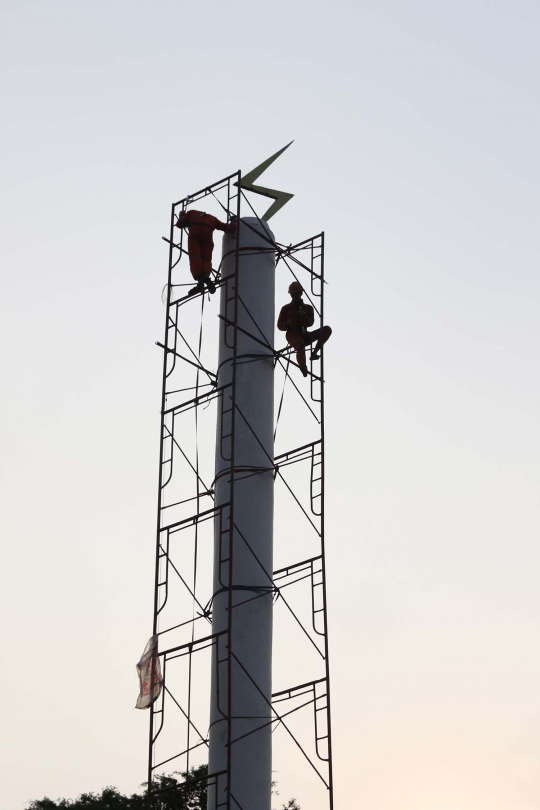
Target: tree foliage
170 796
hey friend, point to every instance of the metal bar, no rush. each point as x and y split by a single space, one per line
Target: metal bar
195 355
323 563
199 517
183 624
191 593
181 754
298 502
296 450
277 355
203 739
289 253
288 584
231 508
298 390
293 614
161 711
178 247
315 307
273 720
158 537
300 686
277 470
280 719
297 565
210 493
185 359
191 644
171 435
197 400
188 652
189 388
206 190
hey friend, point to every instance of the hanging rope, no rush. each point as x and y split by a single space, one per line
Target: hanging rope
196 542
282 395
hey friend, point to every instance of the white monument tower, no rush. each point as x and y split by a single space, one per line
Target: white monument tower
233 490
245 478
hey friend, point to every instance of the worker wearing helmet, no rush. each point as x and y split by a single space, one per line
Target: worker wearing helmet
200 227
294 320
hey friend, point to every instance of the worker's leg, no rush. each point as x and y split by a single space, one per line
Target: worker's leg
200 264
206 257
206 261
195 258
297 342
321 336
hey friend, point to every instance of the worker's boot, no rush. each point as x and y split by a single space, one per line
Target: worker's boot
304 370
210 284
199 288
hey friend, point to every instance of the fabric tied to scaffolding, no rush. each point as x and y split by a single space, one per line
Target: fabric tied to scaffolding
149 672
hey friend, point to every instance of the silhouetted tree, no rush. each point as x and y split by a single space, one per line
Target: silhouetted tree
170 797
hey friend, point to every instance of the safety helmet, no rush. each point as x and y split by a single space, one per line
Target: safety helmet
295 287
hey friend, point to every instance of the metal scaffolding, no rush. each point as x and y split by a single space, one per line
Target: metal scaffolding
191 403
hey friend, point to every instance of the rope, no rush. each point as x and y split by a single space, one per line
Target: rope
196 545
282 395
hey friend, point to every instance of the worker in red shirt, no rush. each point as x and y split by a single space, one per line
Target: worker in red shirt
294 320
200 227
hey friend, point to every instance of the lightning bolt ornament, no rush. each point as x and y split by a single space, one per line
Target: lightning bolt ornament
280 197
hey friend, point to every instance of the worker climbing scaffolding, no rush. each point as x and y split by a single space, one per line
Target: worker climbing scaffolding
294 320
200 227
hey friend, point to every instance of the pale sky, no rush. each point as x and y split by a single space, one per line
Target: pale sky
416 130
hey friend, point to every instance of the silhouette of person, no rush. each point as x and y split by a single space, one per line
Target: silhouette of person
294 320
200 227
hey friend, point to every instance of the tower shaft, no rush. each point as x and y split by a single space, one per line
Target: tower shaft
240 714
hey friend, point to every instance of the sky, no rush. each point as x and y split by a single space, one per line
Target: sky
416 131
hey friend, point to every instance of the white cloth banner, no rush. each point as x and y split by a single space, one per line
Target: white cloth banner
149 672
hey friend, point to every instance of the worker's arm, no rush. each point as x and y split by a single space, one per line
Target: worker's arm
220 226
283 321
309 318
182 221
302 316
228 227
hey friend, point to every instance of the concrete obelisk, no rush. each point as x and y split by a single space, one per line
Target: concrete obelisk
241 675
